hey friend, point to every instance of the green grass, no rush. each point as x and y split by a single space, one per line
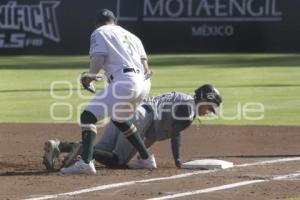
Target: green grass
270 79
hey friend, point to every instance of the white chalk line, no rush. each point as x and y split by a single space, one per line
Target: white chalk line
116 185
224 187
128 183
268 162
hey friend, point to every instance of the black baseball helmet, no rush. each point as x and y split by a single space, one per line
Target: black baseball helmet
209 94
105 15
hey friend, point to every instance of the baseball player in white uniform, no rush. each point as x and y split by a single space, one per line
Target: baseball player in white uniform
122 57
158 118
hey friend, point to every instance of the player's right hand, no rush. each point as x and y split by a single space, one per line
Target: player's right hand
86 81
178 163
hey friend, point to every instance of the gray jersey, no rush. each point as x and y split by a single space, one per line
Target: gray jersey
173 112
168 115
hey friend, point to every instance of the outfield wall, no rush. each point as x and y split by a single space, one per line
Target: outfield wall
165 26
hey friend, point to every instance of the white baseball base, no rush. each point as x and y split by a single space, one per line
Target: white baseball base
207 164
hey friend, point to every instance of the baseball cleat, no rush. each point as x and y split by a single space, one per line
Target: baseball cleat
148 163
51 153
80 167
72 157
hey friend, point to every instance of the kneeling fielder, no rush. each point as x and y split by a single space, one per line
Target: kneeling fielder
158 118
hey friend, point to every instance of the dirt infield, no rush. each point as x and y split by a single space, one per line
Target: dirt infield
22 175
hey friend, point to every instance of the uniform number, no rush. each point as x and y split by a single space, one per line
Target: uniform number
128 45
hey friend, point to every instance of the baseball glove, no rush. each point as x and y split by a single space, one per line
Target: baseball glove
86 81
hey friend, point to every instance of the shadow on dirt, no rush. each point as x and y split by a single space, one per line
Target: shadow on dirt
28 173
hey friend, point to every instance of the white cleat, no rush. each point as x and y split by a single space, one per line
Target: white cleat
51 153
149 163
80 167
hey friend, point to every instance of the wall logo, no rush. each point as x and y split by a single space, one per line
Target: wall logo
18 22
209 17
211 10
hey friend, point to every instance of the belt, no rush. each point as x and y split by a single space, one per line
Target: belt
147 108
125 70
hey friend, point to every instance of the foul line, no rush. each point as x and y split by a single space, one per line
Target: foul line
223 187
268 162
116 185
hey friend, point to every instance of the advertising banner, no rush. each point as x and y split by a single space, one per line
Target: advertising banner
165 26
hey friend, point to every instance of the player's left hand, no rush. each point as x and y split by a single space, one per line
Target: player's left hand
148 75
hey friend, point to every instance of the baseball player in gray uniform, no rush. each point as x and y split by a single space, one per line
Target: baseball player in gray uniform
123 58
158 118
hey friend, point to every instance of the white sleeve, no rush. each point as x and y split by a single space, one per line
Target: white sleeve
97 44
96 63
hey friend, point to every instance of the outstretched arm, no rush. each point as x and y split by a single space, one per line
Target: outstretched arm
176 148
183 111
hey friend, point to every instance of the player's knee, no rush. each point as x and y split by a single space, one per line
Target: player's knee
88 118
